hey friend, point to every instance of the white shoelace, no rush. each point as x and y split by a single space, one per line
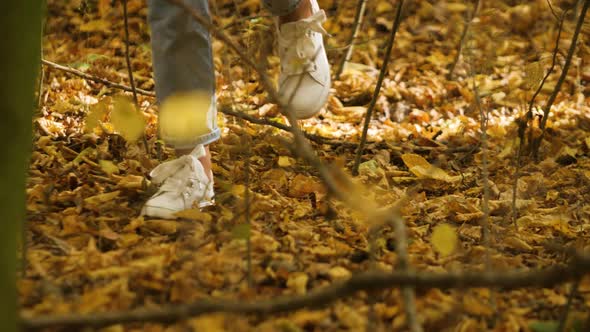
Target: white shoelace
168 169
298 45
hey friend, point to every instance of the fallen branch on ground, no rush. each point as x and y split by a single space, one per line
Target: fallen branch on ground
225 110
95 78
267 122
369 281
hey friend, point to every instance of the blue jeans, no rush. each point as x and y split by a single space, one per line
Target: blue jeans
182 56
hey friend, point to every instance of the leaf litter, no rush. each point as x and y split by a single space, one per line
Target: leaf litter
88 251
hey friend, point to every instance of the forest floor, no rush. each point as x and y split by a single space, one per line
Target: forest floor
89 251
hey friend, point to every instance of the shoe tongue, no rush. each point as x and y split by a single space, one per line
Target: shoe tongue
171 168
313 22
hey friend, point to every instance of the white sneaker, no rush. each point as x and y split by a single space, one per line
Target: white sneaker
304 80
183 183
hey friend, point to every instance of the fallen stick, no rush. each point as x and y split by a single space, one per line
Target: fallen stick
95 78
225 110
368 281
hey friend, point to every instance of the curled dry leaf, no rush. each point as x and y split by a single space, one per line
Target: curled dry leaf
424 170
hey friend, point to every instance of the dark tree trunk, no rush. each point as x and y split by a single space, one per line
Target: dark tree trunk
20 23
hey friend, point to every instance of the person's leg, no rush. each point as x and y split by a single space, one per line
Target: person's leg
304 81
183 62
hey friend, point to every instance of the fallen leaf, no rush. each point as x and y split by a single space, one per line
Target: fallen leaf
444 239
424 170
127 120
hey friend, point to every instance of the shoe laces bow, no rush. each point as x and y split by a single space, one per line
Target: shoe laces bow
299 46
168 169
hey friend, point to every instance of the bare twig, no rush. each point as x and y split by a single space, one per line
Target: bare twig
568 305
568 60
382 74
127 56
130 70
408 292
550 71
226 110
243 19
247 214
484 166
267 122
522 124
484 222
552 10
95 78
356 27
369 281
468 22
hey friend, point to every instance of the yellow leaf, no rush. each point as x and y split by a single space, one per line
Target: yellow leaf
514 242
194 214
108 167
357 68
298 282
238 190
95 115
285 161
165 227
184 117
444 239
383 6
211 323
96 26
131 182
476 306
127 120
534 74
102 198
104 7
302 186
338 273
424 170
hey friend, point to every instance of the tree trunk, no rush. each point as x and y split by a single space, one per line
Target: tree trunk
21 31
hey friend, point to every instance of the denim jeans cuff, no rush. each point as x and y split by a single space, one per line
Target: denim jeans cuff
206 139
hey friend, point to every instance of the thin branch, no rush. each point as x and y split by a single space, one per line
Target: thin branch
522 123
468 23
485 224
267 122
95 78
566 66
553 63
408 292
356 27
226 110
568 305
553 10
241 20
382 74
368 281
247 214
127 56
